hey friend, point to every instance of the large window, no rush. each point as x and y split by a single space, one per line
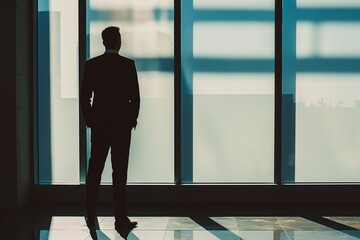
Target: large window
322 63
147 30
228 66
58 100
210 111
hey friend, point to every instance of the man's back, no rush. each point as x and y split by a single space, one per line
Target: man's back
113 80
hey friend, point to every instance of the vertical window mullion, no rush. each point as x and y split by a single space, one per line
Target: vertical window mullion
82 57
187 60
278 91
177 89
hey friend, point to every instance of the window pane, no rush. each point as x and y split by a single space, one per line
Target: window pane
58 103
232 89
148 38
327 91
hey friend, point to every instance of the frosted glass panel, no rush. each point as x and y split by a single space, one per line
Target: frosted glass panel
234 4
58 102
252 40
233 107
328 3
148 38
327 129
328 92
314 39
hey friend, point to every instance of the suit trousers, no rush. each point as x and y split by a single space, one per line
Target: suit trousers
118 139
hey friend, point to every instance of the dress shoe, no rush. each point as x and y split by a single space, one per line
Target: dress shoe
131 224
125 224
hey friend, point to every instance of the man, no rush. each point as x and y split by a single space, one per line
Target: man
111 80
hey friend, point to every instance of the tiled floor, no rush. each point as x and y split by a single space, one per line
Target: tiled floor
37 225
228 228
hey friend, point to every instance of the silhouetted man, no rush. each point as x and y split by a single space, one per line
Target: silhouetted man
112 80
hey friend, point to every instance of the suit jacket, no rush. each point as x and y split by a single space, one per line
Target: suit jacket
112 80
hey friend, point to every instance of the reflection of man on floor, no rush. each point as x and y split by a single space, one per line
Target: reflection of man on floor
113 113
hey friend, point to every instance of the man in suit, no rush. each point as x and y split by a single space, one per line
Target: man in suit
111 81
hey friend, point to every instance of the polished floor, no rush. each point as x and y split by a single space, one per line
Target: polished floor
42 223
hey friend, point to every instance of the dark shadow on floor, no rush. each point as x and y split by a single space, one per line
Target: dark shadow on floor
215 228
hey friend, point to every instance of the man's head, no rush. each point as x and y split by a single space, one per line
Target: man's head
111 38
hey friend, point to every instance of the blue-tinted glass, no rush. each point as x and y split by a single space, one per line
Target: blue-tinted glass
325 37
228 91
58 104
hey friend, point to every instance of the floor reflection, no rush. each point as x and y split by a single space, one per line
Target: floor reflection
210 228
202 235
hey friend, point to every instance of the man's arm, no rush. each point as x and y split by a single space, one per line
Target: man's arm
135 95
85 96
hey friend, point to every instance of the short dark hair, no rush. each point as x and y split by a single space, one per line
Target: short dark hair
111 36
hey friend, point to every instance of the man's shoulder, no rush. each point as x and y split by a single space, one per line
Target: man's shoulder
104 57
109 60
126 59
94 59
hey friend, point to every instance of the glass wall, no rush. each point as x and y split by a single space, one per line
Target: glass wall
327 91
147 30
228 66
227 89
58 102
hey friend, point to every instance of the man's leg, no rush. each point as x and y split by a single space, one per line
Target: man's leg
99 150
119 160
